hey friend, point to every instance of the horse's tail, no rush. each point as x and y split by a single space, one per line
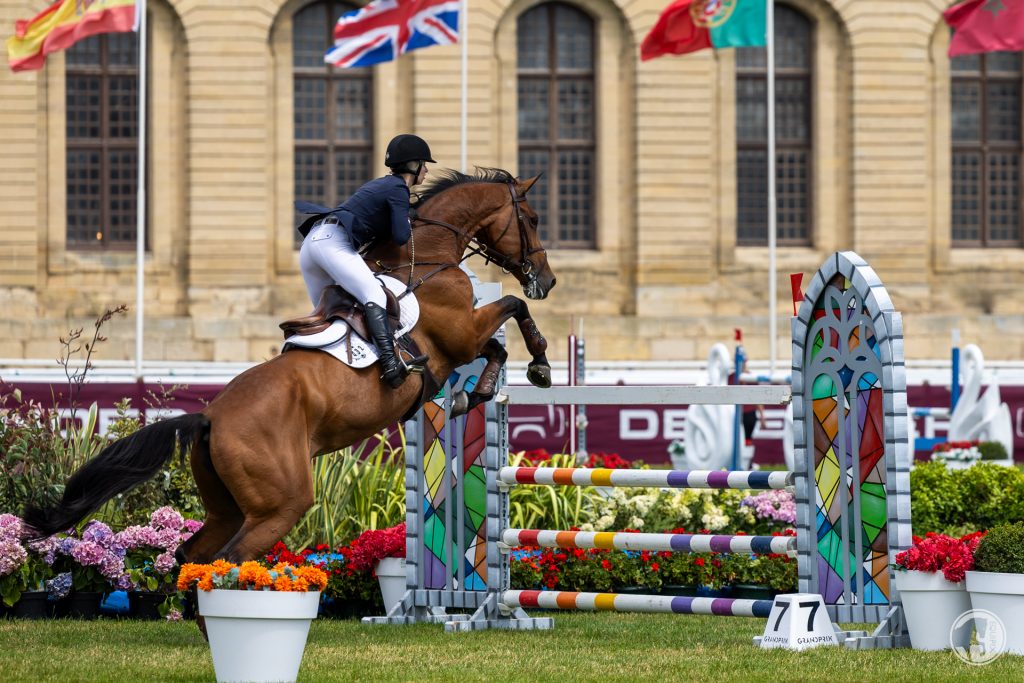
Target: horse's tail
119 467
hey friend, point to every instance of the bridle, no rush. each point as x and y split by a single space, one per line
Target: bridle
476 247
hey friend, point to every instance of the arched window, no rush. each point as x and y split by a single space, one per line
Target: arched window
986 129
333 111
556 98
101 99
793 134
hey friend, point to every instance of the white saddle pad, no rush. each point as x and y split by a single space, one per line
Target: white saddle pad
336 340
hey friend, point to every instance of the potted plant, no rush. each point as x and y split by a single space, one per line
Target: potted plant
149 560
383 551
257 619
996 583
95 562
22 572
930 580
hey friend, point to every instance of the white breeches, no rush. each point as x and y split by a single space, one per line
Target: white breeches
328 257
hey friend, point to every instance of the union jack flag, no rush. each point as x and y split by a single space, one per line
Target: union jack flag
385 29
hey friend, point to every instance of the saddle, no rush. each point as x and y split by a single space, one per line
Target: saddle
337 304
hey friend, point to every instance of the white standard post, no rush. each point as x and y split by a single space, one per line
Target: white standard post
770 40
140 206
464 39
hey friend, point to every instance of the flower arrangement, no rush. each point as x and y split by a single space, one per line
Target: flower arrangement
149 550
374 545
251 576
20 569
957 451
92 561
938 552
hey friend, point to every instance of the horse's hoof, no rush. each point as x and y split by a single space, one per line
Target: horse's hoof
460 403
539 375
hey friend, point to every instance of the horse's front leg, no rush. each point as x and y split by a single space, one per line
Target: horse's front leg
489 318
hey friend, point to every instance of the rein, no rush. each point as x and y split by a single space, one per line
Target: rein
474 246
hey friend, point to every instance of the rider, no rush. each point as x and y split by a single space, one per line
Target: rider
378 210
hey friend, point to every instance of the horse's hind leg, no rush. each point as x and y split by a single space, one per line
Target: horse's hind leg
273 489
223 516
487 383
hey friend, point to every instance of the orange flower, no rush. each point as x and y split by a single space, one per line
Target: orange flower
253 574
313 576
222 567
283 583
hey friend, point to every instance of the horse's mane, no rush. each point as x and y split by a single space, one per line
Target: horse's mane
446 178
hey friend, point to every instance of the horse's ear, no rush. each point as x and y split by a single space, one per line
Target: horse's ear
529 182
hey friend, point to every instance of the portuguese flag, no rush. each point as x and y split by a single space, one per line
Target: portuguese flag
63 24
691 25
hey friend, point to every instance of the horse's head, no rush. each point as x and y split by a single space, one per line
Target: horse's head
514 245
499 223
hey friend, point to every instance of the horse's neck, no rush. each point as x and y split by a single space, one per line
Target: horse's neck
434 243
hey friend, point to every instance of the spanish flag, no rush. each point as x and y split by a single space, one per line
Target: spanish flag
63 24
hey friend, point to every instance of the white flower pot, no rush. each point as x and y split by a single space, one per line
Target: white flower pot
391 575
1002 595
931 605
257 635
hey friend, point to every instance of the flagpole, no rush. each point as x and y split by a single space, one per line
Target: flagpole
770 45
464 40
140 207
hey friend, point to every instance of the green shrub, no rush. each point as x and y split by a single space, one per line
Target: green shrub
957 502
1001 550
992 450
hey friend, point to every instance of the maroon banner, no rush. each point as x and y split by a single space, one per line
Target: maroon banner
632 432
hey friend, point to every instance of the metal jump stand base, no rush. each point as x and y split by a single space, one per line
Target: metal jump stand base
430 607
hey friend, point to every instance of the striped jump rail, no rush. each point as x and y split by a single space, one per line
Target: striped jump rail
613 602
673 543
679 479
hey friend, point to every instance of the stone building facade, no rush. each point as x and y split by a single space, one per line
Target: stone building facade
663 275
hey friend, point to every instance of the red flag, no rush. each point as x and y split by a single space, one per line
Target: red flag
674 33
795 279
985 26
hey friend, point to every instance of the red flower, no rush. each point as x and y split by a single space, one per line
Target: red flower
606 565
938 552
655 566
699 562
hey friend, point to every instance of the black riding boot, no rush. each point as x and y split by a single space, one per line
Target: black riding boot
380 332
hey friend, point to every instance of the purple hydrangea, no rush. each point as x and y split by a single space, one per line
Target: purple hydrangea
11 527
59 586
12 556
137 537
47 548
167 518
776 505
193 525
173 615
164 563
98 532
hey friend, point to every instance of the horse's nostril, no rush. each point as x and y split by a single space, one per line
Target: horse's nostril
554 280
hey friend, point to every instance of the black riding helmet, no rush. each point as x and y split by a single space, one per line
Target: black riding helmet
405 148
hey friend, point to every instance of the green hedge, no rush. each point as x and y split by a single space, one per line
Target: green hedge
957 502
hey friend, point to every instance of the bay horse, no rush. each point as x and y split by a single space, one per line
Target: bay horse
251 448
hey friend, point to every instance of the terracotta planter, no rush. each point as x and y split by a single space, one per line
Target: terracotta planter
931 605
257 635
1002 595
